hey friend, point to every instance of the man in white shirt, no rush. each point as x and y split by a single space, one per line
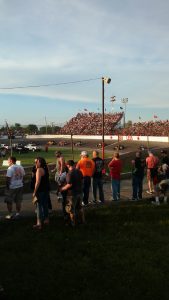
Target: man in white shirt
14 185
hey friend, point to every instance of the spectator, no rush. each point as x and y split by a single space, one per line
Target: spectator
41 191
14 185
97 182
87 167
152 167
138 165
74 188
115 167
60 170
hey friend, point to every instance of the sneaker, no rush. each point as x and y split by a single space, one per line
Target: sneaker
155 203
9 217
84 205
16 216
59 198
100 202
133 199
148 192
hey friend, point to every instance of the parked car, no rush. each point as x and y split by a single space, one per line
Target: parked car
33 147
51 143
62 143
99 145
5 146
78 143
142 147
20 148
118 147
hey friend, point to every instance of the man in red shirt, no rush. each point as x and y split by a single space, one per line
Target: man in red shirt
115 167
152 166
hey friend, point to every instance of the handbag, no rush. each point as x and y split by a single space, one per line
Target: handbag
34 200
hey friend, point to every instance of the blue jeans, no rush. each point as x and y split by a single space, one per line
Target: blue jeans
97 183
42 205
86 188
137 184
115 189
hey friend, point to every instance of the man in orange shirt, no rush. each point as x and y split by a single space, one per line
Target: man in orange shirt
87 167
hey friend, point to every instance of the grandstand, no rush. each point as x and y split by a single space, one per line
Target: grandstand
149 128
91 124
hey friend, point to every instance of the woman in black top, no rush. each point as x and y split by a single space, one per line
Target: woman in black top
41 191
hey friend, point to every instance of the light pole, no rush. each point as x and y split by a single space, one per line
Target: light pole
113 99
104 80
124 101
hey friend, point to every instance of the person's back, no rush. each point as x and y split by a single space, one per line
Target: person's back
16 174
86 165
97 183
151 161
99 164
115 168
76 179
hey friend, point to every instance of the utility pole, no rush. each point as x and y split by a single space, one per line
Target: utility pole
46 125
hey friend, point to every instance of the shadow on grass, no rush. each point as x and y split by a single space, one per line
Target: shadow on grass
121 253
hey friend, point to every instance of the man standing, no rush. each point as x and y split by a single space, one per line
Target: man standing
97 182
14 185
115 167
138 165
60 170
87 167
74 188
152 167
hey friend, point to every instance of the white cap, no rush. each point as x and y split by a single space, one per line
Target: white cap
84 153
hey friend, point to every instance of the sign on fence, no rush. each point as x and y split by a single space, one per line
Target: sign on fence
5 163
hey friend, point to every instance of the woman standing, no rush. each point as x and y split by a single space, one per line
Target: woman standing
41 191
115 167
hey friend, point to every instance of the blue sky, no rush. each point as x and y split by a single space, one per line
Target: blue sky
56 41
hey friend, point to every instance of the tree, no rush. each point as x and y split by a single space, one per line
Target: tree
32 129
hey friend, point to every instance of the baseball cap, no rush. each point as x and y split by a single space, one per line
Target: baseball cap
83 153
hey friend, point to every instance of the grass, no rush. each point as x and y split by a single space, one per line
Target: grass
27 159
121 253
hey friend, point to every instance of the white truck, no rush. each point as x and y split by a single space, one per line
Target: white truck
33 147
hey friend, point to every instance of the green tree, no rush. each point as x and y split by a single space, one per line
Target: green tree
32 129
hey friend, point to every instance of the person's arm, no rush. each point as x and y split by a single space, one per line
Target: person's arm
8 180
62 164
66 187
39 174
110 165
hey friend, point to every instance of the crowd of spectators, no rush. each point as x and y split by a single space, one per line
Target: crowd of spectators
91 124
150 128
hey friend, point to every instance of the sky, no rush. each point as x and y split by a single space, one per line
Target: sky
66 46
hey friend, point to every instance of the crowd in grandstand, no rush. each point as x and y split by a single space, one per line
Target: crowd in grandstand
91 123
150 128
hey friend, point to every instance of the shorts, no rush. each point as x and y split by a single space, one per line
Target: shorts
73 203
151 174
14 195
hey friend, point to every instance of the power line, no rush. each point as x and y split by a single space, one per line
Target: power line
47 85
